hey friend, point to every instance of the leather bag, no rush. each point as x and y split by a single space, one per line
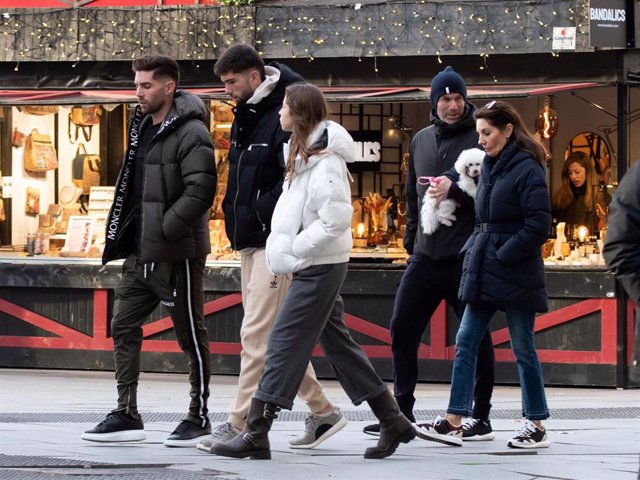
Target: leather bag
82 120
85 170
39 153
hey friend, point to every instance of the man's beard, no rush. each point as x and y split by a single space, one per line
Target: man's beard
151 108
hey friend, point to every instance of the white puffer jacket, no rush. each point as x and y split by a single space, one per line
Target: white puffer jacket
311 223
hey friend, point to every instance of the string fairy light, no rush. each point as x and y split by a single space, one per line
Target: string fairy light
403 28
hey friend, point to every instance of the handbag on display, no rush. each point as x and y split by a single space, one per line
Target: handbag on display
85 169
17 139
83 119
39 153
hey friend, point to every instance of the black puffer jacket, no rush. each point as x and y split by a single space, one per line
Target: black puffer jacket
622 246
622 249
256 166
179 187
433 152
503 263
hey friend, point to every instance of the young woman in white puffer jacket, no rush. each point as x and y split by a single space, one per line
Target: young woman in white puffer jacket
311 238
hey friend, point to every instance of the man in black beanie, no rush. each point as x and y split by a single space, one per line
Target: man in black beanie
434 267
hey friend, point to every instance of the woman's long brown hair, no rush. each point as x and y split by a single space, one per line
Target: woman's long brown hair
563 197
499 114
308 108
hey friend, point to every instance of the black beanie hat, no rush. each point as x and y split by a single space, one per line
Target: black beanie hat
445 82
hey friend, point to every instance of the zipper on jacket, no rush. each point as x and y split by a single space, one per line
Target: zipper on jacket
257 145
235 201
144 181
264 227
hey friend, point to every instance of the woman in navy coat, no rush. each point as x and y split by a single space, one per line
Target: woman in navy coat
503 270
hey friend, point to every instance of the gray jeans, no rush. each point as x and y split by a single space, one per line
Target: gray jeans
313 312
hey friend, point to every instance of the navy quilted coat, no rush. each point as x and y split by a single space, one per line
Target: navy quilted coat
502 259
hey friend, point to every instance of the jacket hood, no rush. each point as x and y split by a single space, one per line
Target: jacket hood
278 78
188 105
272 75
331 137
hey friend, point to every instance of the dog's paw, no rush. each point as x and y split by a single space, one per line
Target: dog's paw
448 221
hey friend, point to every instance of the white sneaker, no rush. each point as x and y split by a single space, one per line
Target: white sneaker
441 431
530 436
317 428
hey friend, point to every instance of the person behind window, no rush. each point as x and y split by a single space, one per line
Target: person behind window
581 199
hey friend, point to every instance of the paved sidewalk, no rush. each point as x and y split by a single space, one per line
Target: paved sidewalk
594 435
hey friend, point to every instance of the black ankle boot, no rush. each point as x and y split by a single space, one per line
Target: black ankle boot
253 441
394 426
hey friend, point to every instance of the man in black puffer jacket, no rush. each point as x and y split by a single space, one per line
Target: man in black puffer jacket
159 224
256 175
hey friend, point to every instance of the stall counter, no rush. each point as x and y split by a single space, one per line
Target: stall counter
54 313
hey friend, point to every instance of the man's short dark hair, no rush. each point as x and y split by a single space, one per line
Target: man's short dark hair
161 65
239 58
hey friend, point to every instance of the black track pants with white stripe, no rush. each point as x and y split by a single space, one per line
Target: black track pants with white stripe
178 286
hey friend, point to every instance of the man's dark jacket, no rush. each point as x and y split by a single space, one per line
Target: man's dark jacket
179 187
256 166
433 152
622 249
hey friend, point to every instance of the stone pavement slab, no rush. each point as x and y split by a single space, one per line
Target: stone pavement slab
594 435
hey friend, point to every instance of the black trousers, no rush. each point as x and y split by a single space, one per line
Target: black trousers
423 286
178 285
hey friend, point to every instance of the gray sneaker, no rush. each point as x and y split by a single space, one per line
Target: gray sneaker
318 428
222 433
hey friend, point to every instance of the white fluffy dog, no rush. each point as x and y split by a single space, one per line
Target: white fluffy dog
468 165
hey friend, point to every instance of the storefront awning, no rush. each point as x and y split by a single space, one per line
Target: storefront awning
84 97
333 94
421 94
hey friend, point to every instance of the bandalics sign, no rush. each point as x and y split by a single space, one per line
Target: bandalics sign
608 23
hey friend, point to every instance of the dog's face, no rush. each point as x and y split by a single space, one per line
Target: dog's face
473 169
469 162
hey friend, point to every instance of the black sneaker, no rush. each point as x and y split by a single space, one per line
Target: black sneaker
118 426
474 430
530 436
188 434
373 429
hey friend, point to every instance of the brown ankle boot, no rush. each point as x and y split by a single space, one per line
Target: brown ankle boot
253 441
394 426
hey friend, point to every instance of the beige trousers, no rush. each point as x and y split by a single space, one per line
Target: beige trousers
262 297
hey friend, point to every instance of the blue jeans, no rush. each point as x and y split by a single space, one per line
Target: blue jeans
475 323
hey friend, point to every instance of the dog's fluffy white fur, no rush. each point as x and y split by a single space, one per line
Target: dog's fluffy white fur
468 165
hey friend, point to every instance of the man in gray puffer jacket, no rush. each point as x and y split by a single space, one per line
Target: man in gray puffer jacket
159 224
